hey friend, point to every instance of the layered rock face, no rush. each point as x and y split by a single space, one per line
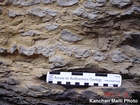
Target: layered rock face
38 36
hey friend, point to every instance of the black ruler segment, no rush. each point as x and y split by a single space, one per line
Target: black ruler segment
77 83
77 73
115 85
95 84
55 72
86 84
59 82
105 85
101 74
67 83
50 82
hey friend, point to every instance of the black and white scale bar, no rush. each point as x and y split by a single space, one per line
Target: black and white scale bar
84 79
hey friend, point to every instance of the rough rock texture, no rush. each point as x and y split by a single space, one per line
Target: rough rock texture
67 2
38 36
70 37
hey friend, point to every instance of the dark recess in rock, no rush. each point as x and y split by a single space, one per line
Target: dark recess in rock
43 78
132 39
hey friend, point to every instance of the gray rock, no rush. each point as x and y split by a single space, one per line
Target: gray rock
113 13
37 87
46 51
81 53
3 50
28 52
2 92
80 12
90 4
30 2
12 81
68 36
14 14
118 57
67 50
98 56
1 62
131 11
38 11
13 48
51 12
92 16
67 2
0 10
48 1
58 61
16 2
135 60
31 33
24 2
120 3
102 1
52 27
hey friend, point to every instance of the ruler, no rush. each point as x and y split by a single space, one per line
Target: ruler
84 79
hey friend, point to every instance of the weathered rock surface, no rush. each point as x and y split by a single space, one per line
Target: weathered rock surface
121 3
67 2
46 51
58 61
98 56
13 48
38 36
81 53
90 4
40 12
14 14
52 27
28 52
70 37
48 1
31 33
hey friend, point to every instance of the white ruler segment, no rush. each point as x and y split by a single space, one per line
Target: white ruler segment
84 79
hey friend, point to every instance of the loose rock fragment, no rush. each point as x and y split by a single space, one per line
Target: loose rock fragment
13 48
14 14
12 81
68 36
31 33
132 11
30 2
66 49
40 12
121 3
80 12
58 61
48 1
118 56
28 52
90 4
67 2
3 50
52 27
46 51
81 53
98 56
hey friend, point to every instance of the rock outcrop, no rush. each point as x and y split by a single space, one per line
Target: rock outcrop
38 36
